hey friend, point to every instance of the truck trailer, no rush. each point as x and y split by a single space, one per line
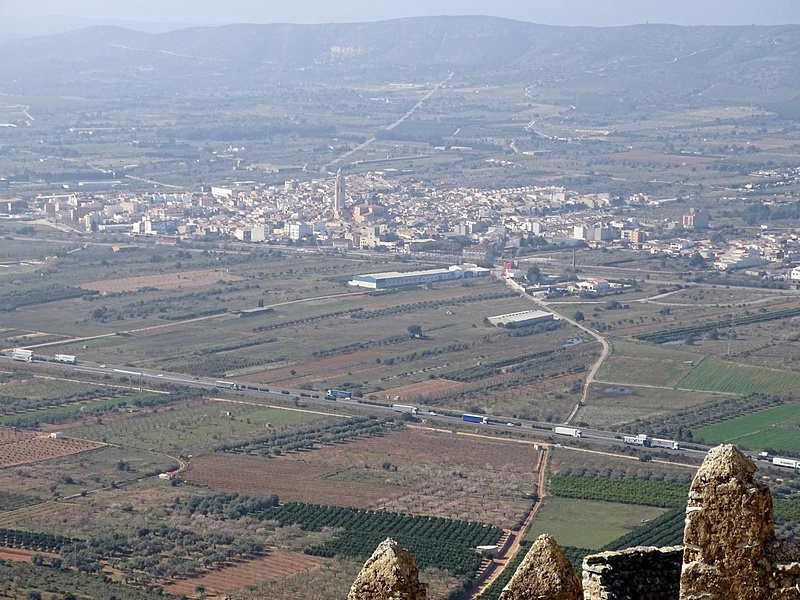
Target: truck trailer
23 355
570 431
475 419
405 408
65 358
636 440
786 462
669 444
337 394
642 440
228 385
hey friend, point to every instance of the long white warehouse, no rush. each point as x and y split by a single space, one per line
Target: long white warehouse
393 279
520 319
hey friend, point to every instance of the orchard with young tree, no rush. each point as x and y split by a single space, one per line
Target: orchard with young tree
415 331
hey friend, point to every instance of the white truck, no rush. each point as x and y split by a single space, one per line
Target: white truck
65 358
405 408
786 462
570 431
23 355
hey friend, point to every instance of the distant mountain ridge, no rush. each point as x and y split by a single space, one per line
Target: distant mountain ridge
15 28
644 61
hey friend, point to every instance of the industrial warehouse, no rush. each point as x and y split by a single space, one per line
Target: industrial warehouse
521 319
394 279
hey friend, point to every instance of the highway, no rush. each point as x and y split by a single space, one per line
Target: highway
441 417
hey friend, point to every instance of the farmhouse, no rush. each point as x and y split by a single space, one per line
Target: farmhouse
394 279
521 319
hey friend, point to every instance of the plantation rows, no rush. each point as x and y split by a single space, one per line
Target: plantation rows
49 293
70 585
83 412
14 404
218 365
535 329
492 368
355 346
12 501
157 552
788 510
677 333
30 540
308 437
679 425
429 305
666 530
330 315
433 541
647 493
237 346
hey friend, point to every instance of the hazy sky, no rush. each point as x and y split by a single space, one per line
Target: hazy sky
553 12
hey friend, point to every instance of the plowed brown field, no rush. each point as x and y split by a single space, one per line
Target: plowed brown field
233 575
165 281
21 447
291 480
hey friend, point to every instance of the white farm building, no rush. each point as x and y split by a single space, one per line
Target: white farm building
394 279
521 319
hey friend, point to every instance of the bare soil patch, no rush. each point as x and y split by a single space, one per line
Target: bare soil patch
21 555
164 281
292 480
237 574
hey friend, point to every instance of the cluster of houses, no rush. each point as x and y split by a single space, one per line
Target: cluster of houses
376 211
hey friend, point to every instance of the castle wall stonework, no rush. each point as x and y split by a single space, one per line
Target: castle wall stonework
634 574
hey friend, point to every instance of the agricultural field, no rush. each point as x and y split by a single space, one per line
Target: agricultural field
645 364
775 428
337 338
412 471
610 406
22 448
713 374
104 468
276 565
189 428
589 524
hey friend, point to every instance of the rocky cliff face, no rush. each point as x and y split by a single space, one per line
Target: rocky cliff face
544 574
389 574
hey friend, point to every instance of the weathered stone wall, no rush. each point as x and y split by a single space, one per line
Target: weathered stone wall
643 573
544 574
389 574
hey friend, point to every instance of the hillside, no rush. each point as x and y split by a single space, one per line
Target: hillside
636 64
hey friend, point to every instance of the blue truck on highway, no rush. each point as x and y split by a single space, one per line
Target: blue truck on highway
475 419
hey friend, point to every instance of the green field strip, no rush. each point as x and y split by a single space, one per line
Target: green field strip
775 428
716 375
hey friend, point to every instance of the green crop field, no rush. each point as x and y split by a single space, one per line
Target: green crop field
636 363
717 375
772 428
587 523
